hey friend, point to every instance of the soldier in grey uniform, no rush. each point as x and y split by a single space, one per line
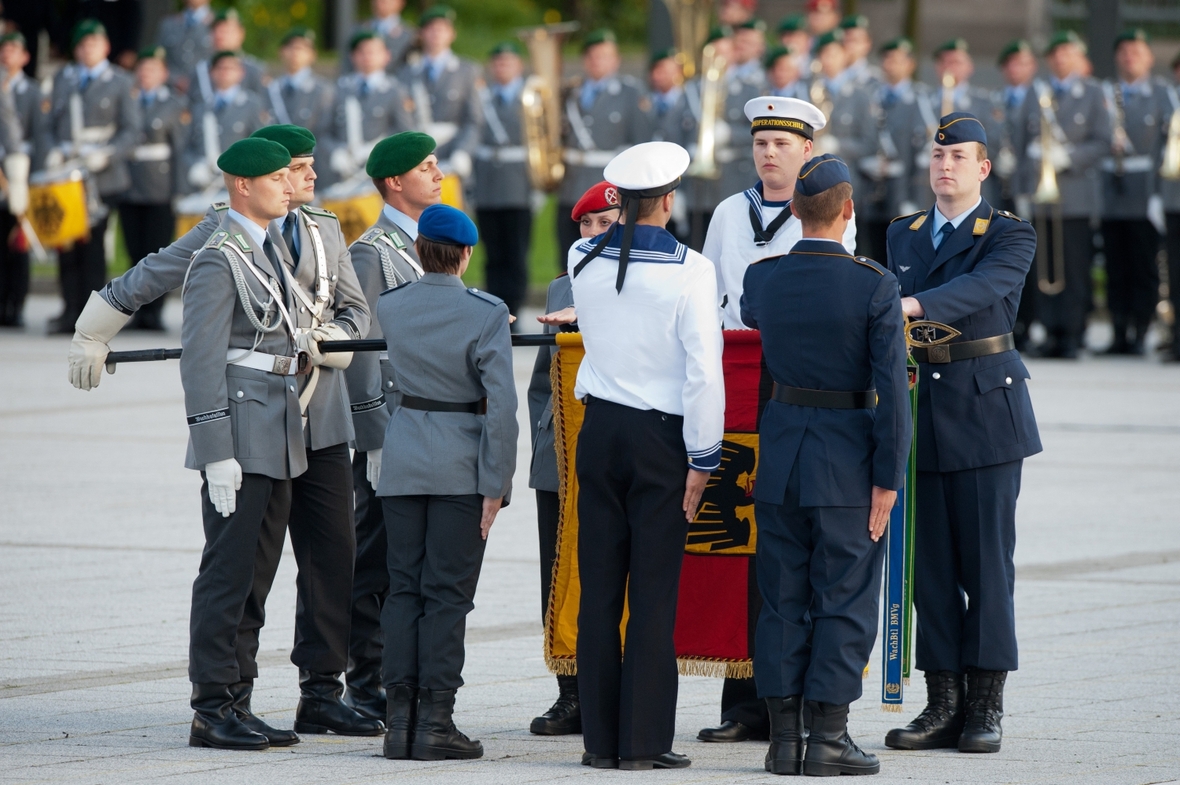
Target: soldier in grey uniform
784 76
667 104
744 80
850 133
1081 125
92 119
502 189
20 106
300 96
387 22
233 112
604 113
186 39
145 211
370 105
858 45
954 58
700 193
1132 210
445 89
228 35
406 174
451 442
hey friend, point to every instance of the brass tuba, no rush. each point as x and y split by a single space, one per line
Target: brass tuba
704 164
817 93
541 105
1170 168
1047 198
690 27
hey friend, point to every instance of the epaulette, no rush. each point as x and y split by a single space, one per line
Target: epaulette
909 215
491 298
767 259
220 206
307 208
865 261
1013 216
401 285
216 240
371 237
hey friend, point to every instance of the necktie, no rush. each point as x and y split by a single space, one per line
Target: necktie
147 100
589 93
272 255
289 234
943 233
83 81
364 87
889 99
219 104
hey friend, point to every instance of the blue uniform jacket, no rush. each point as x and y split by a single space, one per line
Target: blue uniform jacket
975 412
830 321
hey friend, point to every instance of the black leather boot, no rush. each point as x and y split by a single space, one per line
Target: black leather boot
216 725
985 707
241 693
941 722
401 704
320 709
565 716
435 734
830 750
364 691
785 755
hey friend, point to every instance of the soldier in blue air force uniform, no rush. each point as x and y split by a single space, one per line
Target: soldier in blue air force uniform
962 263
834 441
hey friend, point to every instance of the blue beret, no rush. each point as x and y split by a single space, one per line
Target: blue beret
444 224
959 127
821 173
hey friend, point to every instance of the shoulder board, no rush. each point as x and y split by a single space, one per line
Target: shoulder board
216 240
307 208
1012 216
908 215
220 206
370 237
491 298
865 261
402 285
767 259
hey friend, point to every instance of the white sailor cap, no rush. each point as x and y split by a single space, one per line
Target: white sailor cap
647 170
769 113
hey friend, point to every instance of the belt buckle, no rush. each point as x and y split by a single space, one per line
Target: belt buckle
281 366
938 354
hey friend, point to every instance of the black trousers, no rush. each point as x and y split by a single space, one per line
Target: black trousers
82 270
225 582
1064 314
435 554
146 229
1132 275
569 232
964 575
548 515
14 273
370 581
271 537
506 234
631 467
1172 246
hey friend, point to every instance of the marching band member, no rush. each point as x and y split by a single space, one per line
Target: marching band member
21 139
744 80
186 40
398 35
300 96
784 74
232 112
226 35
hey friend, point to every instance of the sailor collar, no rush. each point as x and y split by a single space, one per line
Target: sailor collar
649 244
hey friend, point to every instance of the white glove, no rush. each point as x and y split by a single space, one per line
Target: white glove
826 145
342 161
96 326
1155 213
55 158
16 169
1006 162
373 467
1059 157
224 479
461 164
200 175
722 134
97 161
908 208
310 342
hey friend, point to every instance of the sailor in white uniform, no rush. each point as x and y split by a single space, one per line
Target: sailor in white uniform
757 222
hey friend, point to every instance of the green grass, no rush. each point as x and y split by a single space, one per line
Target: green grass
543 252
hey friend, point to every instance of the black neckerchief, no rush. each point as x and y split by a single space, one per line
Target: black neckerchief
762 237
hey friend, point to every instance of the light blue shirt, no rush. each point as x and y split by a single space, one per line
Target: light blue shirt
940 219
256 232
433 66
223 98
508 93
403 221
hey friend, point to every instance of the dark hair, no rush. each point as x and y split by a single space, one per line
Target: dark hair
823 208
379 184
439 257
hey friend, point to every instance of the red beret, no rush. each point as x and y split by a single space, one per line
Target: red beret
821 5
749 5
602 196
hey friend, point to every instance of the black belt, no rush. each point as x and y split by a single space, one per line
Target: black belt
825 399
964 350
427 405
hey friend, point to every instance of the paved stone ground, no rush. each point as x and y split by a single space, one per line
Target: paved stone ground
100 540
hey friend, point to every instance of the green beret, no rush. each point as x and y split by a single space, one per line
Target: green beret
953 45
298 140
306 33
718 32
661 54
774 54
1061 39
436 12
1015 46
507 48
853 21
1133 34
831 37
360 36
226 15
84 28
151 53
792 24
219 56
752 24
600 36
14 37
902 44
398 154
252 157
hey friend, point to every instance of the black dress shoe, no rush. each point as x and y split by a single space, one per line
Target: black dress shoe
596 762
62 325
435 734
941 722
728 731
363 690
565 716
785 755
215 724
401 706
830 750
985 708
241 693
320 709
669 760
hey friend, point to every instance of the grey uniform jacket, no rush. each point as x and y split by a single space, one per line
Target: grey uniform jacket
108 110
736 158
385 109
26 104
234 411
1127 184
501 163
240 117
305 100
448 108
156 163
615 120
398 43
851 124
543 470
452 344
184 46
372 385
900 128
1081 114
201 90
